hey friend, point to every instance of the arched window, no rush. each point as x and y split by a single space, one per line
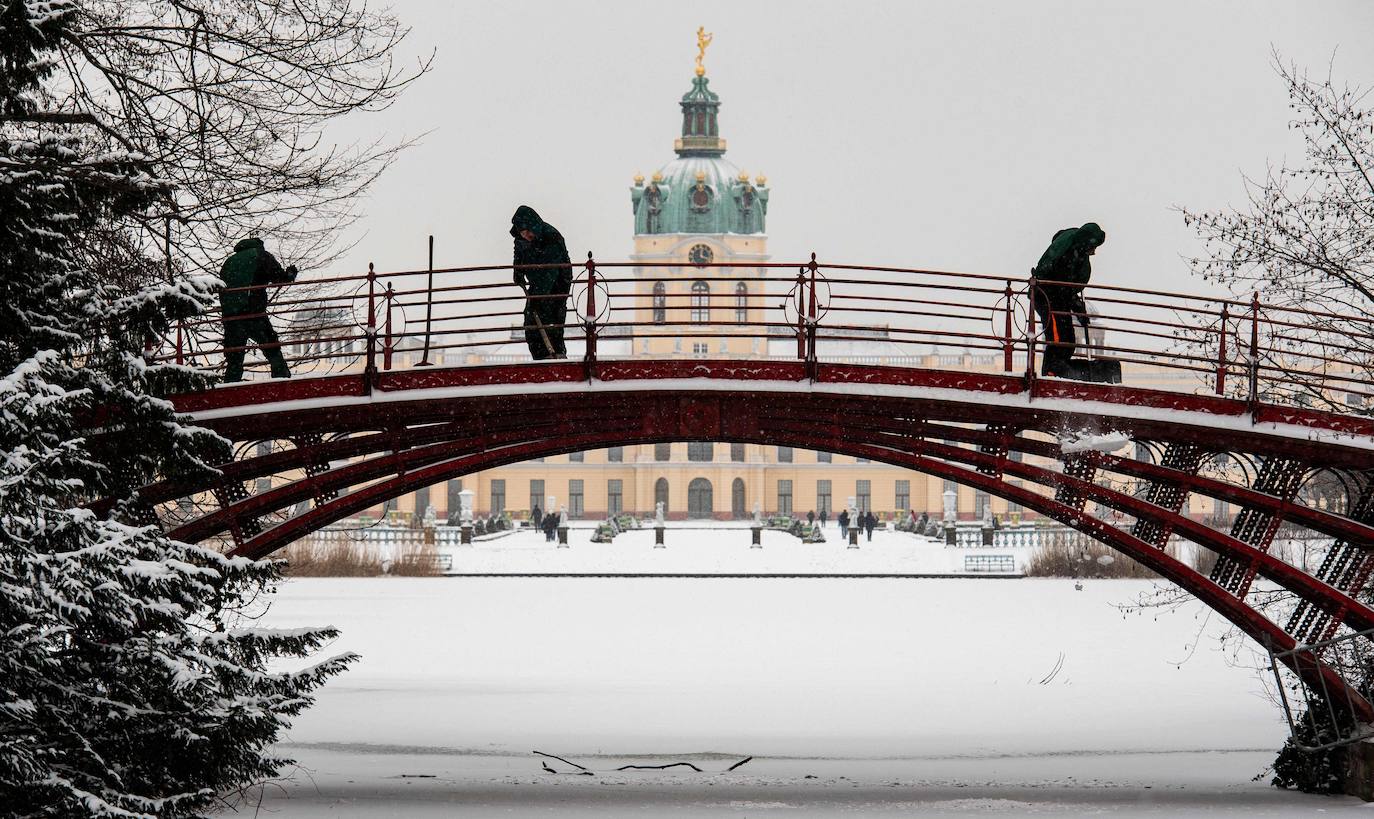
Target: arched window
701 301
660 303
741 302
737 499
661 494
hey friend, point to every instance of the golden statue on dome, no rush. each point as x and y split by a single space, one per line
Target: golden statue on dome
703 40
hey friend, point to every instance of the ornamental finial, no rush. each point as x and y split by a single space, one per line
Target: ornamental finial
703 40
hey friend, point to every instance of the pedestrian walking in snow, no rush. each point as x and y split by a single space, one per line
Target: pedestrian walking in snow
244 312
870 522
843 520
1064 268
825 518
550 527
537 517
546 287
810 518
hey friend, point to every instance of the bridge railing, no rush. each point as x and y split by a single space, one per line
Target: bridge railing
810 311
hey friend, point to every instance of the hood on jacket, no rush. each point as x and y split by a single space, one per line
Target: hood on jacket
1089 236
526 218
248 244
1068 245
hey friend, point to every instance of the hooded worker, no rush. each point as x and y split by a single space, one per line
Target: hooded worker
1064 268
546 287
244 311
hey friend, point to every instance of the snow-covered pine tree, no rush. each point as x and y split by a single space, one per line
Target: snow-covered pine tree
126 686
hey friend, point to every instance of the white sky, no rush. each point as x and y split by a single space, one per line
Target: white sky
948 135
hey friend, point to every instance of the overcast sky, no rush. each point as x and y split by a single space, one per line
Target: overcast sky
951 135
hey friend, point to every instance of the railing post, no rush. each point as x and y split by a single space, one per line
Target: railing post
589 328
812 355
801 314
1006 332
1221 350
429 305
370 370
1254 348
389 343
1030 331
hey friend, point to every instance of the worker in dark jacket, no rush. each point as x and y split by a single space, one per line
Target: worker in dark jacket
244 312
546 288
1065 269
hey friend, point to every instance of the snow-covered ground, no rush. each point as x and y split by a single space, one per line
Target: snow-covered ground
713 547
853 696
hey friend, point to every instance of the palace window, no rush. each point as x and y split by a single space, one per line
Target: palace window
576 506
701 301
701 451
784 497
741 302
823 505
660 303
615 496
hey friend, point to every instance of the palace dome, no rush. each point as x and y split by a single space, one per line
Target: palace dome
700 191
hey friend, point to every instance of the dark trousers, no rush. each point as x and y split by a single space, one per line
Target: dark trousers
238 332
545 317
1060 341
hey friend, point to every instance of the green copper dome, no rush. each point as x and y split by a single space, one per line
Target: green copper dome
700 191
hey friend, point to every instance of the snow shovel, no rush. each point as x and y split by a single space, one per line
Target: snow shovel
543 334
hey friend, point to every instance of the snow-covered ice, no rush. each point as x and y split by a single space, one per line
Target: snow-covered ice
854 696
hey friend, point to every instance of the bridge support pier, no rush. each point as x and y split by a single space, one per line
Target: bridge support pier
1359 770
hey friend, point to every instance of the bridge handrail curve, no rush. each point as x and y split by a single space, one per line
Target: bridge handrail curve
1258 347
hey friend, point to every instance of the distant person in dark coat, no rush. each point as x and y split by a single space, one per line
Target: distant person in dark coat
244 311
536 517
870 522
810 518
843 520
1066 268
825 517
539 243
550 526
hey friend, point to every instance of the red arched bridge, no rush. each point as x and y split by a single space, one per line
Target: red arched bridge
406 379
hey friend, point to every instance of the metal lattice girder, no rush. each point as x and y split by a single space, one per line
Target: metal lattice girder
1082 466
241 526
312 443
1183 458
740 423
996 447
1279 477
1347 566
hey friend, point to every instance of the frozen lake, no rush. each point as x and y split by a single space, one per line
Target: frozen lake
852 695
